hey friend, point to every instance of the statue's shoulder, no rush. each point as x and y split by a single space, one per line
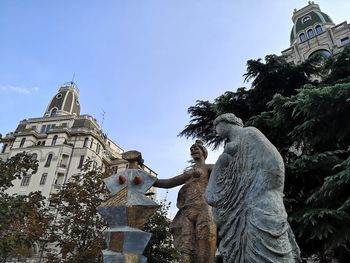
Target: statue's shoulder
251 131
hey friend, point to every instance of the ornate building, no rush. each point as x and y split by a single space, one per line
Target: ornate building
61 141
314 31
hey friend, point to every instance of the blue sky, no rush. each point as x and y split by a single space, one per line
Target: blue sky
143 62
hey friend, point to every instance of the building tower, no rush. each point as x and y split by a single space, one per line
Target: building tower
313 32
61 141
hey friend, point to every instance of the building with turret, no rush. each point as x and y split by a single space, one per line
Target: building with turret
62 140
313 32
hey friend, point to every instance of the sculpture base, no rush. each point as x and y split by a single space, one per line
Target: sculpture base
114 257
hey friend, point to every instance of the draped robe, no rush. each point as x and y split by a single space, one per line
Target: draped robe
246 190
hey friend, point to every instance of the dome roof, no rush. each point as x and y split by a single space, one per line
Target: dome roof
65 102
307 17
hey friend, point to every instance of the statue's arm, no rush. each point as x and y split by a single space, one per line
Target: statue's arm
171 182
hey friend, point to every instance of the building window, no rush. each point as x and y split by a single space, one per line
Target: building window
54 140
345 41
59 95
98 147
306 18
91 143
26 179
48 161
318 29
81 161
86 141
46 128
53 112
64 161
302 37
4 148
22 142
43 143
310 33
43 179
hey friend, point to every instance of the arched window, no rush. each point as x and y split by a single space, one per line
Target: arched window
318 29
4 148
53 112
306 18
91 143
54 140
48 161
302 37
310 33
86 141
325 52
22 142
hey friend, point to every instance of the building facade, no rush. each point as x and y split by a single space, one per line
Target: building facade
62 140
313 32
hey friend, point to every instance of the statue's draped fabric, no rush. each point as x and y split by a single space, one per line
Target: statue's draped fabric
247 194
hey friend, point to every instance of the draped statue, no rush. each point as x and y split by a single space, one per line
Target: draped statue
246 190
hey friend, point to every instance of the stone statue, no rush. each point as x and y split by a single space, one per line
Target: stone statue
246 190
192 228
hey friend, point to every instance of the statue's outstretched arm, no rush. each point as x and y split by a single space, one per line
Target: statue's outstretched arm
171 182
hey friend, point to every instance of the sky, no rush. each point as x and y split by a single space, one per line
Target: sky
142 62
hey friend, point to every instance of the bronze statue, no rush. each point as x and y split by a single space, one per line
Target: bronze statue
192 228
246 191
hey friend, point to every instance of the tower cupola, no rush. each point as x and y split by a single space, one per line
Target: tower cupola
65 102
309 22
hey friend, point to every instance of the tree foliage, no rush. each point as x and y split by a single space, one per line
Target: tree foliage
304 111
160 249
78 229
24 219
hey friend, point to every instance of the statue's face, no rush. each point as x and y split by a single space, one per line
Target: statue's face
222 129
196 152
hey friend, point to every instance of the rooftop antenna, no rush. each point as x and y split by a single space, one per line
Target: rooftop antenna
73 78
103 117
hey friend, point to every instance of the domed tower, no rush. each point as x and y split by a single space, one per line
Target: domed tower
315 32
65 102
309 22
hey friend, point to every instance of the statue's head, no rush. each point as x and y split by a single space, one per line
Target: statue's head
229 118
220 123
198 148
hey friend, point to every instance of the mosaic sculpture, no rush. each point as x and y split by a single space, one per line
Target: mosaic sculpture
126 212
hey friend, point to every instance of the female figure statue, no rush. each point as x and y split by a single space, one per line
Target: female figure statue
192 228
246 190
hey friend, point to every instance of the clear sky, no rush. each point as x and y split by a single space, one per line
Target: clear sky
143 62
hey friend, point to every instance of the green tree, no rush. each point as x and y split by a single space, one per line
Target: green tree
160 249
23 218
315 123
274 75
78 229
309 125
